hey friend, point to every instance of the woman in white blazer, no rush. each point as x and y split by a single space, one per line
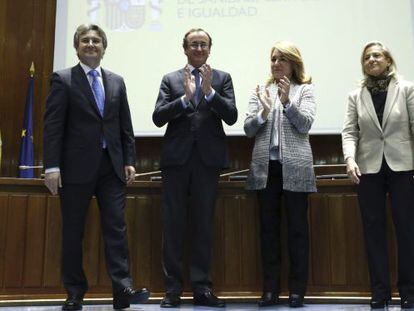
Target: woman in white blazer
378 147
280 116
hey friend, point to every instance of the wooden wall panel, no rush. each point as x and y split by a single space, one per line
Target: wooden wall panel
337 241
142 240
30 236
35 241
15 241
157 281
319 258
352 219
249 246
217 272
52 259
327 149
3 220
26 35
231 238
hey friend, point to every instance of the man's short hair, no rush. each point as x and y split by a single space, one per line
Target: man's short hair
82 29
185 43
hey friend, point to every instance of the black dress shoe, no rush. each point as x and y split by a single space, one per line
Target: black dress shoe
73 302
128 295
171 300
268 299
378 303
295 300
407 304
208 299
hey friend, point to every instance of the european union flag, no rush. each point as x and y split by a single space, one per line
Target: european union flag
26 147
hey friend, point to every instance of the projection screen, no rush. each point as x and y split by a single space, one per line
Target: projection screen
145 39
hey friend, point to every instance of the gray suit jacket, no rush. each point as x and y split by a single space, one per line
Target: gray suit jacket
365 140
296 153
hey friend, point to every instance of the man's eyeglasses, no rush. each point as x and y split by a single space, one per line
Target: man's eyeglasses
195 46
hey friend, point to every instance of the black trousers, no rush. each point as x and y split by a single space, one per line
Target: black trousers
75 199
196 184
296 206
372 192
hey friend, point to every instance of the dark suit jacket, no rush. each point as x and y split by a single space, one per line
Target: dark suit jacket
73 126
201 123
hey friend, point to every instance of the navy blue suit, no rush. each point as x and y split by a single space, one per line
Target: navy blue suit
193 154
73 132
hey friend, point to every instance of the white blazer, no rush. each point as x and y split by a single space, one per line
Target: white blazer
364 139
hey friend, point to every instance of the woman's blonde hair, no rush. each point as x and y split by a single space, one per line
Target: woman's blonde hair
392 69
292 54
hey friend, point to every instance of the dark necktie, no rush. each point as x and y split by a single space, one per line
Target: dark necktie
198 94
97 91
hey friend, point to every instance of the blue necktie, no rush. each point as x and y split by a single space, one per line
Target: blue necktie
197 95
97 91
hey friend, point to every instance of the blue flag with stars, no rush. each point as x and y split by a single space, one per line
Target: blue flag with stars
26 147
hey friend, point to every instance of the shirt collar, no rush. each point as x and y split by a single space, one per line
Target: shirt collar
191 67
86 69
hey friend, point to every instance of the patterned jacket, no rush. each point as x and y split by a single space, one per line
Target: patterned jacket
295 150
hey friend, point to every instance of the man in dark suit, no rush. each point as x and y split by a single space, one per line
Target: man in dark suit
89 149
193 101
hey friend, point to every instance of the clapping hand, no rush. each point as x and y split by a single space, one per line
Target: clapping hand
283 92
206 74
189 84
265 100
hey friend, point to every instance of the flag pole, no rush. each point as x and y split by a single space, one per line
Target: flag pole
26 157
32 70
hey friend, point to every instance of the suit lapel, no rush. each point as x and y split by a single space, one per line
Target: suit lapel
82 81
369 105
294 91
107 81
391 99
